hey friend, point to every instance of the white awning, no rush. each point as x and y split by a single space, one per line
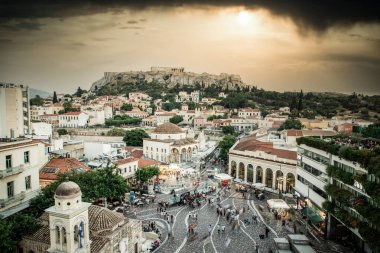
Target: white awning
277 204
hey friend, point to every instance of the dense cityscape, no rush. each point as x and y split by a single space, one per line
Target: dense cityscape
172 158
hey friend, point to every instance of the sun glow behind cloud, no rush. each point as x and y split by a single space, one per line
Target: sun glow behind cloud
265 50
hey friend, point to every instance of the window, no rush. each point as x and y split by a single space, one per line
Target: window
8 161
129 168
28 183
26 157
10 189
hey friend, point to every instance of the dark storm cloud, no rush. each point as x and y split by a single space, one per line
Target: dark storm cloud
24 25
132 21
307 14
132 27
354 59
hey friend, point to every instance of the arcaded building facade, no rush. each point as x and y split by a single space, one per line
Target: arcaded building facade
253 161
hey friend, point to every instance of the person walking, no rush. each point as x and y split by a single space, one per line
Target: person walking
266 232
218 228
209 227
223 229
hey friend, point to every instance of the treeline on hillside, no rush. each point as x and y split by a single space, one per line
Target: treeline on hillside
306 105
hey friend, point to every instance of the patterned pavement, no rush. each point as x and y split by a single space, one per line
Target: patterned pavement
243 239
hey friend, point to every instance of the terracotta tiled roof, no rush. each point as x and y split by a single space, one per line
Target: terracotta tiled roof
127 160
49 115
98 243
294 132
72 113
137 153
145 162
101 219
43 233
168 128
251 144
167 114
61 165
249 110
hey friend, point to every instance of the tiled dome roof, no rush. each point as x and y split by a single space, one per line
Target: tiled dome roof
168 128
103 220
67 189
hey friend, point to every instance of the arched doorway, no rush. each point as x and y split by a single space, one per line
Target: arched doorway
241 171
233 169
250 173
183 155
279 181
290 181
189 154
174 156
269 178
259 174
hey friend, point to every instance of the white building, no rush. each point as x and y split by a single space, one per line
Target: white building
94 150
73 120
184 97
19 175
169 144
14 111
137 113
41 130
249 112
128 166
96 116
163 118
75 226
253 161
138 96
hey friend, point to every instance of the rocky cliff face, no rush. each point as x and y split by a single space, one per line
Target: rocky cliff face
170 76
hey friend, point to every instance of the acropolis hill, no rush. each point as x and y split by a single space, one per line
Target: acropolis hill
170 76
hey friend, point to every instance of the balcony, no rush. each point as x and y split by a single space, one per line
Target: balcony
14 199
12 171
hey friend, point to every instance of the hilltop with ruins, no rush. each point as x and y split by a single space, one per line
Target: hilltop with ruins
171 77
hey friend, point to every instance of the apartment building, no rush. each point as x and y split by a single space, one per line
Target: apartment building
14 110
19 179
333 184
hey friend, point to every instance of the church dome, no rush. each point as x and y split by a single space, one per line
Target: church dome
168 128
67 189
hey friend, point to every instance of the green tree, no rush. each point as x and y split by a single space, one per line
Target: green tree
55 98
300 102
176 119
62 131
225 145
135 137
79 92
68 107
7 244
145 173
37 100
126 107
291 123
228 130
116 132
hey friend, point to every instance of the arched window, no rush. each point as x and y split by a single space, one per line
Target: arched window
64 235
57 235
76 233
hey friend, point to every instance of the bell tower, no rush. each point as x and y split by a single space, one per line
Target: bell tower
68 220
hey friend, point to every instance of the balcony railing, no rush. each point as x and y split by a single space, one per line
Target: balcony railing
11 200
12 171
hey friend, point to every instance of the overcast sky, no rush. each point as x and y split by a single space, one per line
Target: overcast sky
275 45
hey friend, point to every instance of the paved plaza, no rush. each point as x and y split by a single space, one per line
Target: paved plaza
244 238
